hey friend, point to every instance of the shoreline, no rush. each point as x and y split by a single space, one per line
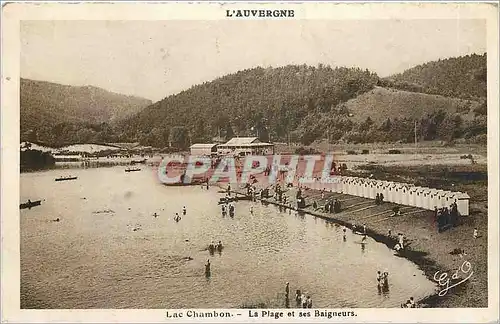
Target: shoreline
421 257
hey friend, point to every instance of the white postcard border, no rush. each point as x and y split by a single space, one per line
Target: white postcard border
13 13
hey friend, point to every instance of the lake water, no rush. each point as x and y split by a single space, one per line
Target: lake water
108 251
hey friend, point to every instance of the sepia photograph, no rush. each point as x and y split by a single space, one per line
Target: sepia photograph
253 160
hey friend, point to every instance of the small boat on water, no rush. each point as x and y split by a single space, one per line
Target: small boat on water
132 170
138 161
66 178
30 204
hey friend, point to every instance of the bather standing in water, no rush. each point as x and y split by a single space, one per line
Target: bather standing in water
298 297
177 218
304 301
309 302
207 269
218 246
184 211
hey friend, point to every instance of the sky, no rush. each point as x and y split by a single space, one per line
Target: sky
154 59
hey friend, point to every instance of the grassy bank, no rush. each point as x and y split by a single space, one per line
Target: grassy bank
431 147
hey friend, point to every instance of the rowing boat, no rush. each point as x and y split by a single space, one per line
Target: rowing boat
30 204
67 178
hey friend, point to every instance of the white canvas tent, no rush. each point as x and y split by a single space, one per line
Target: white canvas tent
405 194
423 197
412 196
463 203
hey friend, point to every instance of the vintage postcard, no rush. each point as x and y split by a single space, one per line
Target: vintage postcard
249 162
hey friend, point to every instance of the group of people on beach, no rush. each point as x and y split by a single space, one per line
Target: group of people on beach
379 199
333 206
399 247
446 217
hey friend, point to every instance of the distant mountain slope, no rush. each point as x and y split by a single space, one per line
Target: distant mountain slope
305 104
45 104
250 102
382 103
462 77
300 103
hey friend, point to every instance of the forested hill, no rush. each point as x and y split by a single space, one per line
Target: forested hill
461 77
269 100
306 104
46 107
300 103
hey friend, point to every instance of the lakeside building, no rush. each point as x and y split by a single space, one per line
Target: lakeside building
245 146
203 149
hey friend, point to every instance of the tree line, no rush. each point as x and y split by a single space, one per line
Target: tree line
296 103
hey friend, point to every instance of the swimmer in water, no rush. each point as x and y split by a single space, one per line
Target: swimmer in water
155 215
251 209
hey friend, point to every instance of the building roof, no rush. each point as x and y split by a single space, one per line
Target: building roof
260 144
127 146
462 195
239 141
203 145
